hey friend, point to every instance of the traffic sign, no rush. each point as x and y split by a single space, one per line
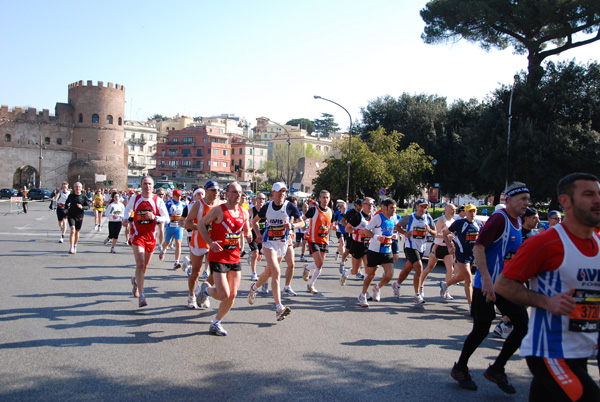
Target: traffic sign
382 191
292 190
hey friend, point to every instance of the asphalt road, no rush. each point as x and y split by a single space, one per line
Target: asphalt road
71 330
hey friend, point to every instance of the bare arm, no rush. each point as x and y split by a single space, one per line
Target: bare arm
558 304
192 213
215 215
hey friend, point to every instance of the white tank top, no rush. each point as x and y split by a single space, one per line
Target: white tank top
440 241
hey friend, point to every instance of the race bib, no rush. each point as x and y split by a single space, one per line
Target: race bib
175 221
387 240
323 231
232 240
586 315
276 233
472 237
141 217
419 233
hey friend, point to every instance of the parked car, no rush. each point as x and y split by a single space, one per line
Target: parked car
8 192
39 194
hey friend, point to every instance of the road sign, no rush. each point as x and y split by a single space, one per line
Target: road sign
292 190
382 191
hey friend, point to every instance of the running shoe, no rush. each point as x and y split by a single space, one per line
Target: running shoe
217 329
337 256
99 228
305 273
362 300
112 250
253 277
342 267
419 299
172 246
447 295
192 302
95 227
202 295
463 377
289 291
344 276
142 301
376 293
204 275
161 255
187 267
252 294
176 265
264 289
72 250
360 276
422 291
396 289
62 239
282 313
206 303
503 329
443 289
135 287
499 378
311 289
302 259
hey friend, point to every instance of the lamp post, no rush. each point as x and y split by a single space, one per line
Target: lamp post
288 153
349 145
512 91
434 163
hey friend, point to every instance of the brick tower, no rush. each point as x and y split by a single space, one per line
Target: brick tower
98 134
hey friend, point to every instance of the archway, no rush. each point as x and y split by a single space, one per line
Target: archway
25 176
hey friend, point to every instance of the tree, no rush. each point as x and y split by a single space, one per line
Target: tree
326 125
306 124
277 166
537 28
158 117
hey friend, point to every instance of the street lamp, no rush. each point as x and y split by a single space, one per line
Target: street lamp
349 144
434 163
288 156
512 90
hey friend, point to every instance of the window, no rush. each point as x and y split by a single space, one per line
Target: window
188 140
185 152
173 174
205 139
200 164
132 148
224 152
59 141
141 148
250 151
173 164
186 163
163 153
224 164
199 152
208 163
95 118
216 151
240 151
120 121
80 120
172 152
261 152
240 163
175 139
47 140
7 138
109 119
132 160
250 163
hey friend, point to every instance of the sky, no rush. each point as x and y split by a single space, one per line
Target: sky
247 58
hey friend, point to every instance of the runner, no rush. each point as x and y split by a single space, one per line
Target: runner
227 222
198 246
381 231
318 238
439 248
360 242
160 226
562 267
114 212
554 218
301 233
76 203
498 240
340 230
98 203
279 214
148 210
256 248
173 230
415 228
196 197
466 231
61 209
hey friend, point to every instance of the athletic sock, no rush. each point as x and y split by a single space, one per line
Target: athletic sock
315 274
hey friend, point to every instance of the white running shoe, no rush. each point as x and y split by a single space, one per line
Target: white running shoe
305 273
289 291
396 289
161 255
344 277
362 300
202 295
61 239
376 293
337 256
419 299
254 277
311 289
281 314
264 288
302 259
217 329
72 250
112 250
192 302
206 303
443 288
99 228
252 293
204 275
187 267
422 291
503 329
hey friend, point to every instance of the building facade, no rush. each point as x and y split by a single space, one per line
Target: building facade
141 139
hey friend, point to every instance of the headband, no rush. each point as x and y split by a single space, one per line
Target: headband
517 191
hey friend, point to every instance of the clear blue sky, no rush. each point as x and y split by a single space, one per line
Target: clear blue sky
250 58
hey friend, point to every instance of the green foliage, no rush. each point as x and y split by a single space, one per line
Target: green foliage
277 167
376 164
536 28
306 124
158 117
326 125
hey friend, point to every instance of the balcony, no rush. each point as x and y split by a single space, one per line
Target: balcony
139 141
136 165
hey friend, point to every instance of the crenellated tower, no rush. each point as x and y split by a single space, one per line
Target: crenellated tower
98 134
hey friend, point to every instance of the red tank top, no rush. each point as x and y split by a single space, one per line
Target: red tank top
228 233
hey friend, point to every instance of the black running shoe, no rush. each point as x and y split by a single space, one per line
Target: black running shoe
499 378
463 377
